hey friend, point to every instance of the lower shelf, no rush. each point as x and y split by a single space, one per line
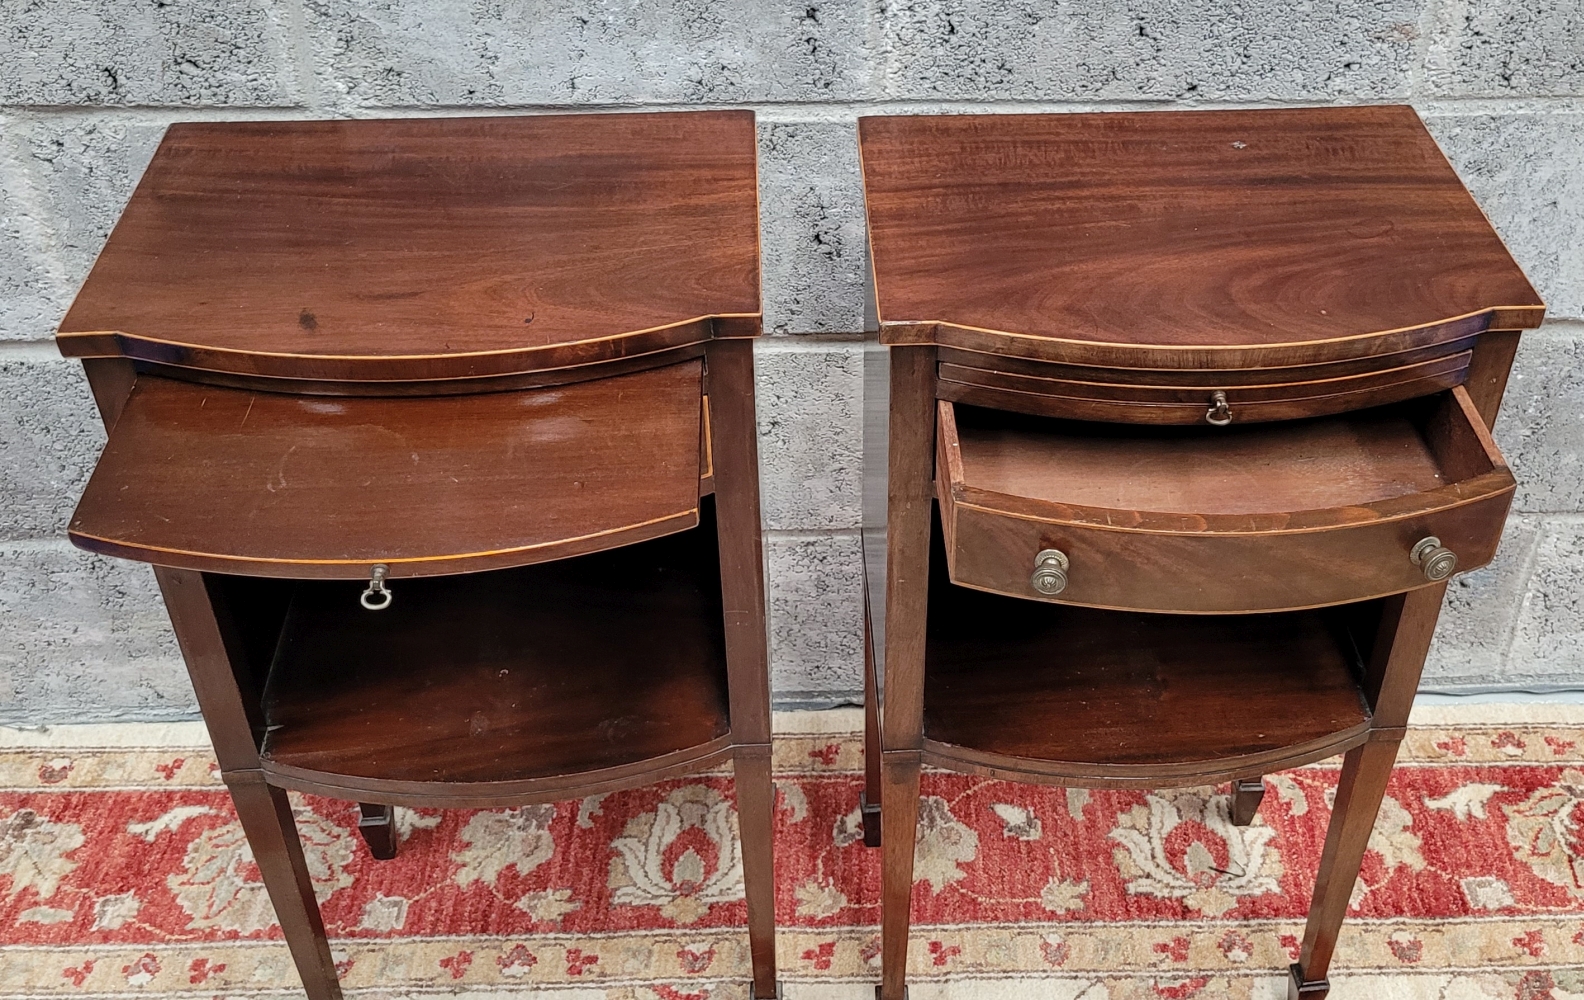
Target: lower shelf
1030 689
589 664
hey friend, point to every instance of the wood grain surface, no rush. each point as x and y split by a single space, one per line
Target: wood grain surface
429 248
1204 239
230 480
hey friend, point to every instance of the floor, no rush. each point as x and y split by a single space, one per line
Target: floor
123 873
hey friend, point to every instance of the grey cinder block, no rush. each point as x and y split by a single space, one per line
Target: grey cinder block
813 252
408 52
84 170
84 639
810 401
1158 49
1541 427
1496 48
1481 612
100 52
1549 645
816 617
1524 170
32 298
50 437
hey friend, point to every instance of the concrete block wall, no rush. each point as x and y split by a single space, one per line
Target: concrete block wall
86 86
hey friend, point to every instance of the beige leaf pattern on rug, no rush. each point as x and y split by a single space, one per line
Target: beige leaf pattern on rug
1017 822
1169 848
819 898
33 851
942 844
1064 895
504 838
683 887
1466 801
1393 838
1546 831
549 905
218 885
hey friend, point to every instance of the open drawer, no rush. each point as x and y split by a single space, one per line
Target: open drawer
268 484
1264 517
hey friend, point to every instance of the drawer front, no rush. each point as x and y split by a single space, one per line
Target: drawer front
1213 572
1073 399
1271 518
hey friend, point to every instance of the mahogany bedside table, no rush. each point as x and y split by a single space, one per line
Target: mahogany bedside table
440 436
1188 426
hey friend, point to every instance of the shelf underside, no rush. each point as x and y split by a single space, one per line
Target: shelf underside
599 662
1113 697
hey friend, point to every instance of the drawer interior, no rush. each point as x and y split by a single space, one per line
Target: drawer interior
1364 457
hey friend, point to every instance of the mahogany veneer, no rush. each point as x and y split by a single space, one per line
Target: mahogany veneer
429 248
510 356
1197 368
1288 237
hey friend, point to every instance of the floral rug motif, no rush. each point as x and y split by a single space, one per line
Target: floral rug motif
123 872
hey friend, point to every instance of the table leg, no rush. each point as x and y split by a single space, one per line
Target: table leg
1365 771
209 644
377 824
271 832
1246 798
910 504
900 786
756 826
735 454
1391 678
869 799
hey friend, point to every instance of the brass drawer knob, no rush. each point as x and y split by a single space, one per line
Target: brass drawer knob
1220 412
1435 559
1050 572
376 597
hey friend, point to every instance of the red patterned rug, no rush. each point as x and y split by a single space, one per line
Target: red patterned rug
123 872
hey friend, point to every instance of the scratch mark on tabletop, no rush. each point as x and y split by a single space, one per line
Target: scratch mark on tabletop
280 472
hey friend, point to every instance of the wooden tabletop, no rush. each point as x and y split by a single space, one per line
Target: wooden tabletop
429 248
1201 239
